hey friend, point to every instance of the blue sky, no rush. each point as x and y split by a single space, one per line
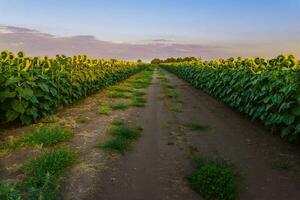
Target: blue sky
197 21
219 27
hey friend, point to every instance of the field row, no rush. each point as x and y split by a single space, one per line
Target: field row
265 89
52 148
32 87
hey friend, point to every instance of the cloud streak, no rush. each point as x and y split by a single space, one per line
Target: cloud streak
36 43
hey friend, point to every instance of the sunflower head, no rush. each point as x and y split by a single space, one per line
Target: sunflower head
293 61
21 54
4 55
281 58
11 56
257 61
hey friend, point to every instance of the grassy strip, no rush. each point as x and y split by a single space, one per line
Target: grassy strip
46 136
169 92
129 89
116 144
214 180
118 95
122 136
120 106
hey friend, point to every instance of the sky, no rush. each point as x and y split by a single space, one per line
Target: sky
238 27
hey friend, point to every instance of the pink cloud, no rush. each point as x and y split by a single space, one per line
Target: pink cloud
37 43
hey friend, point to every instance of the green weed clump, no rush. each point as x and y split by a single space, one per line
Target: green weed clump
47 136
118 122
138 102
42 173
124 132
214 180
8 192
117 144
122 135
104 110
120 106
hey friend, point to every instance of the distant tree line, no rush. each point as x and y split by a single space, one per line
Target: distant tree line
174 60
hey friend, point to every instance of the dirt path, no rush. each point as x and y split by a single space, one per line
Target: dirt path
159 162
155 168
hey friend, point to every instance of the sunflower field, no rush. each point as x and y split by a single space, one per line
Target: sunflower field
32 87
265 89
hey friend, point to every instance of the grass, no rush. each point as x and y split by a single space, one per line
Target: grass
82 119
142 81
170 92
130 90
51 162
194 126
104 110
122 136
50 119
47 136
8 192
120 89
11 143
169 86
168 124
214 180
100 103
42 173
177 107
117 144
118 95
138 105
140 84
124 132
120 106
138 102
137 94
118 122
